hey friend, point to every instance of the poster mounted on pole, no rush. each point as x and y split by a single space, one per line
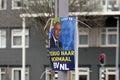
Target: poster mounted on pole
61 43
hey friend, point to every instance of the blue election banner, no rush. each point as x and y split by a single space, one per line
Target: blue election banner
61 40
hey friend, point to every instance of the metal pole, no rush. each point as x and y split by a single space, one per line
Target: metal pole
59 12
76 51
23 49
56 8
63 4
117 51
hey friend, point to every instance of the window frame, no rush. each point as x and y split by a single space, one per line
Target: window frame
3 46
47 72
111 4
84 33
5 5
86 71
19 7
13 35
107 72
2 72
13 69
107 33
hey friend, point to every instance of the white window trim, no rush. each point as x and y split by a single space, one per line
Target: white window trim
16 7
47 72
5 5
107 33
18 46
18 69
82 71
115 5
2 73
36 2
84 33
107 72
1 38
87 72
13 7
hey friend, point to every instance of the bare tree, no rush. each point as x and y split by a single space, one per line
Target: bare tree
48 6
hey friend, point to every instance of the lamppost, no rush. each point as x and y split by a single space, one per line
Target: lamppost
59 12
23 49
117 50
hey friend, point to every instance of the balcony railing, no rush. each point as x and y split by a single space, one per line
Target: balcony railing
94 6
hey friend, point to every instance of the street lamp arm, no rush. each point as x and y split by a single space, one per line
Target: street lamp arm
85 24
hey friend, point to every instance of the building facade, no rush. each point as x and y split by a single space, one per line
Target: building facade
99 39
11 44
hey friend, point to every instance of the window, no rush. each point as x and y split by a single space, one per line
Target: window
16 73
113 5
83 37
108 37
2 74
109 73
2 4
83 74
18 4
2 38
36 2
17 38
48 74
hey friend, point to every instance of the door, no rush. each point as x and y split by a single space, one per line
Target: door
111 77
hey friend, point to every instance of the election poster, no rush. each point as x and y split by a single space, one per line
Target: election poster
61 43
